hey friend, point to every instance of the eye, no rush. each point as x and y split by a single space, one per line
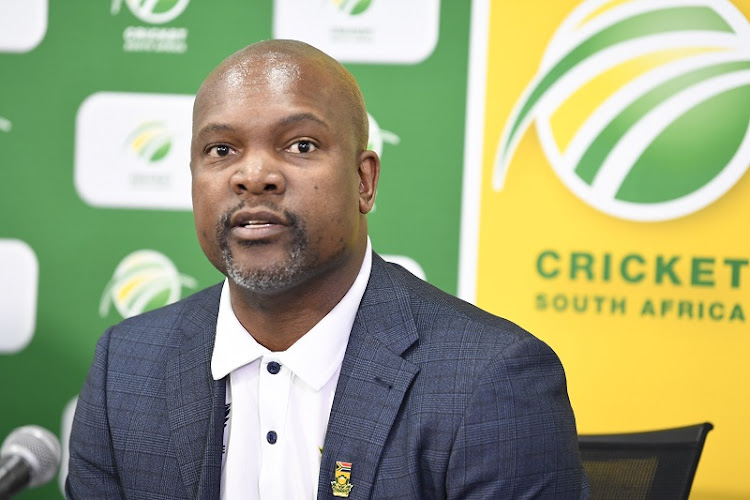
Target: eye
302 147
220 150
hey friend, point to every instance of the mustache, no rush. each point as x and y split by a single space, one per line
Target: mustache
224 224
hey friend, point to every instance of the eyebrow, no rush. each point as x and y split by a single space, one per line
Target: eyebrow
301 117
214 127
284 122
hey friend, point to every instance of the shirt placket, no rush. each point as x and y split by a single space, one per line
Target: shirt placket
273 403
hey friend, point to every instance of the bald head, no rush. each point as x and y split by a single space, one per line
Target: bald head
282 181
281 65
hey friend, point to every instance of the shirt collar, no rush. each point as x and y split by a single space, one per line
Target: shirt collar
314 358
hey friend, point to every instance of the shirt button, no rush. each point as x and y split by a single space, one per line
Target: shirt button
271 437
273 367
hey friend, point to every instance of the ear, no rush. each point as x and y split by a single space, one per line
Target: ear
369 173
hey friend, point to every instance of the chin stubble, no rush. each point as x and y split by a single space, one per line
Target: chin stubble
259 278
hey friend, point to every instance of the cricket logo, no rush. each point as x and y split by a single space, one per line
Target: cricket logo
642 107
152 11
352 7
378 136
151 141
144 280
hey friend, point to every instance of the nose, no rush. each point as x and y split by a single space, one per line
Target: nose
257 176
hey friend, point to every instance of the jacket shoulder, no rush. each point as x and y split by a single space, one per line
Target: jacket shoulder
438 313
167 326
203 303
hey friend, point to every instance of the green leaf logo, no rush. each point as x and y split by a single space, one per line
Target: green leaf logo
152 11
151 141
144 280
642 107
353 7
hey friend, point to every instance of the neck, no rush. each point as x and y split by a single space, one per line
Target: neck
277 319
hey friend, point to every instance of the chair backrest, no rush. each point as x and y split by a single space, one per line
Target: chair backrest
650 465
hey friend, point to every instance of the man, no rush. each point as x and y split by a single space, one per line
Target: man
317 368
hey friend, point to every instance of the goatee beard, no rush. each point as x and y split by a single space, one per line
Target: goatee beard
272 278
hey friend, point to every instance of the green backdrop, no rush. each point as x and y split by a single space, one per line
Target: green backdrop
79 246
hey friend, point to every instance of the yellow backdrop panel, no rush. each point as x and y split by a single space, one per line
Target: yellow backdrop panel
611 221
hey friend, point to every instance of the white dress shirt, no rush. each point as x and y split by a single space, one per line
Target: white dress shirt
279 402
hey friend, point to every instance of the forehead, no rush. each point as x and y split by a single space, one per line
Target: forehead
272 72
269 84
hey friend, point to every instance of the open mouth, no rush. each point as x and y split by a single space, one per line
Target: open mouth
258 224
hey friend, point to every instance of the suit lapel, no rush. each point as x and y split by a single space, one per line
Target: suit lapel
374 379
195 401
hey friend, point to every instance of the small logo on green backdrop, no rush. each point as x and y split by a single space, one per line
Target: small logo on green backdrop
151 141
5 125
152 11
642 108
378 137
352 7
144 280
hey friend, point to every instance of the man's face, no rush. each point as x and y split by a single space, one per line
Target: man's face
276 175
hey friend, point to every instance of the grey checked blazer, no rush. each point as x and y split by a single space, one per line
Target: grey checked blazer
436 399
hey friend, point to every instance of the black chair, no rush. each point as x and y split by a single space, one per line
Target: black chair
655 465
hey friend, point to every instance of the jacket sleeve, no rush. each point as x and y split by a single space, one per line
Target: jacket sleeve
92 471
518 437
